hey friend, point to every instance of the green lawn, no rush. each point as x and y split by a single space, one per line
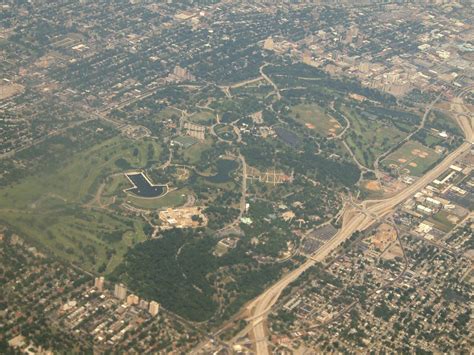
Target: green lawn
171 199
78 235
168 113
78 179
193 153
258 89
412 157
370 138
115 185
202 117
49 208
442 222
225 132
314 118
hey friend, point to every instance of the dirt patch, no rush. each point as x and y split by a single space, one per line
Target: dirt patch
257 117
383 237
373 186
453 219
183 174
9 89
393 252
419 153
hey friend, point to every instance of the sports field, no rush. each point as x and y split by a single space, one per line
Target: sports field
412 158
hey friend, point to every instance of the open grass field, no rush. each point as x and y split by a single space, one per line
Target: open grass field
114 185
193 153
172 199
443 221
93 240
50 208
314 118
168 113
412 158
202 117
258 89
370 138
186 141
77 180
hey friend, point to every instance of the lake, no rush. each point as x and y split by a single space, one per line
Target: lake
143 186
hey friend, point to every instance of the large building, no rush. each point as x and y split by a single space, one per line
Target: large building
99 283
154 308
132 299
120 291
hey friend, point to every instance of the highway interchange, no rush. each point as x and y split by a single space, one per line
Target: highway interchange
354 219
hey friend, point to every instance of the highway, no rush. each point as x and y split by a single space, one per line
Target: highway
353 220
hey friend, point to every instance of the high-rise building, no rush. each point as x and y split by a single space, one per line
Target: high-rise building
154 308
99 283
132 299
120 291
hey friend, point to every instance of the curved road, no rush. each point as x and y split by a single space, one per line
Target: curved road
353 221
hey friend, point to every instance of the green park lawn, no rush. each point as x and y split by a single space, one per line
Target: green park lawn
315 119
50 209
202 117
172 199
370 138
192 155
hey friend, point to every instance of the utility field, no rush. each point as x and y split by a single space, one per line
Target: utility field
58 209
313 117
412 158
370 138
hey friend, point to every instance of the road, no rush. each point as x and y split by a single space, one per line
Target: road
243 198
270 81
408 137
353 220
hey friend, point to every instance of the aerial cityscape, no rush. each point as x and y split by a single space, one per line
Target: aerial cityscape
236 176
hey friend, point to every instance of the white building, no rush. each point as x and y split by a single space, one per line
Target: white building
424 209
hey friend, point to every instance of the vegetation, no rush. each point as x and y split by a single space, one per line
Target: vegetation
51 207
180 271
